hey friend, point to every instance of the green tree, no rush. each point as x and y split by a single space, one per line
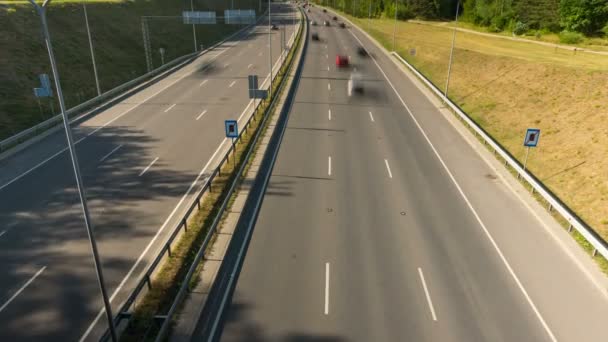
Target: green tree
585 16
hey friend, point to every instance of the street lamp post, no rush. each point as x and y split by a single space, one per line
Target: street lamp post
68 132
86 20
193 27
270 49
395 27
447 82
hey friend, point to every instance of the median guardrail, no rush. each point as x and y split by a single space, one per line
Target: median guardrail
146 280
554 203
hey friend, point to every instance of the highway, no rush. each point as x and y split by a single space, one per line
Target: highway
382 223
142 160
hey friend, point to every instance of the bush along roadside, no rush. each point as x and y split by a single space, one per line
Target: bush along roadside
143 326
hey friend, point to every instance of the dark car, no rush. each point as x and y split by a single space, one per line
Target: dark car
324 10
326 23
361 51
342 25
334 18
315 36
274 27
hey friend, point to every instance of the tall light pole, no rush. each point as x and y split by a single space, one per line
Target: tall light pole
68 133
193 27
369 15
270 49
395 27
86 20
447 81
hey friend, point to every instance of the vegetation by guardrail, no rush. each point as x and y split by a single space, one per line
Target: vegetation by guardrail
150 308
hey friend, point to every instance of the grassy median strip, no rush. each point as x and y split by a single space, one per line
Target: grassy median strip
169 278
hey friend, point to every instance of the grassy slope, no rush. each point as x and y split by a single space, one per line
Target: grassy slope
117 36
509 86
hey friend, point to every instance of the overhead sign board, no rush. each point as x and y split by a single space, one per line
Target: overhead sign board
532 136
239 16
199 17
232 130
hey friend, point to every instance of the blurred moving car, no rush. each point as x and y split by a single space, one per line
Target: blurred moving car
313 23
342 25
326 23
324 10
273 27
361 51
341 61
315 36
334 18
355 84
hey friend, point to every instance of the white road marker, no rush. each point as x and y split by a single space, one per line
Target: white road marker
249 66
466 199
201 115
326 288
203 83
111 152
148 167
328 68
329 166
428 295
170 107
21 289
326 56
2 233
388 168
371 116
329 114
328 86
231 84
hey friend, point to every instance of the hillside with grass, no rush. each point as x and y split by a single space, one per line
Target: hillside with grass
116 28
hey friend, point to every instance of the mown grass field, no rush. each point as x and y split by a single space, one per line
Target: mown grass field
117 36
509 86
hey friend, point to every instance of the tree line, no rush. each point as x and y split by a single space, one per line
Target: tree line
588 17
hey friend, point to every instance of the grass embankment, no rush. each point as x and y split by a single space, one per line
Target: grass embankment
117 37
507 86
166 283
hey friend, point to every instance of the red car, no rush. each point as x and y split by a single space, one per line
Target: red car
341 61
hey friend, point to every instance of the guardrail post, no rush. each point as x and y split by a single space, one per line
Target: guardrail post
570 228
169 250
185 223
148 281
594 252
550 207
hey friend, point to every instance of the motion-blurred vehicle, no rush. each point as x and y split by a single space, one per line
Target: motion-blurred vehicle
313 23
315 36
324 10
273 27
355 84
334 18
341 61
342 25
326 23
361 51
308 10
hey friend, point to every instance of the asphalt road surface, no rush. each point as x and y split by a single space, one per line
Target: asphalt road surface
383 225
142 160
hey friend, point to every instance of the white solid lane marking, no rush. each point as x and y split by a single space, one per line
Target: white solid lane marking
466 199
328 86
126 278
2 233
149 166
202 83
201 115
328 68
428 295
231 84
249 66
109 154
329 166
371 116
326 56
21 289
388 168
326 288
171 107
329 114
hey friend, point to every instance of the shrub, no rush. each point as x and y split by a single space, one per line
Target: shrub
568 37
605 30
520 28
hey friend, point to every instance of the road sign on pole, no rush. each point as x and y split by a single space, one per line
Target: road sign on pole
531 140
254 92
232 130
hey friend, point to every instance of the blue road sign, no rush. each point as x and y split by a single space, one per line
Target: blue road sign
45 89
532 136
232 130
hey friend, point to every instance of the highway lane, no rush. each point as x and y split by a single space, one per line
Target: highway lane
138 167
370 233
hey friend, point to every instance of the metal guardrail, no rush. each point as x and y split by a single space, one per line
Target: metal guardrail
599 244
146 278
112 95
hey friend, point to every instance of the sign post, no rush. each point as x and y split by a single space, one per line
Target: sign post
232 132
531 140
